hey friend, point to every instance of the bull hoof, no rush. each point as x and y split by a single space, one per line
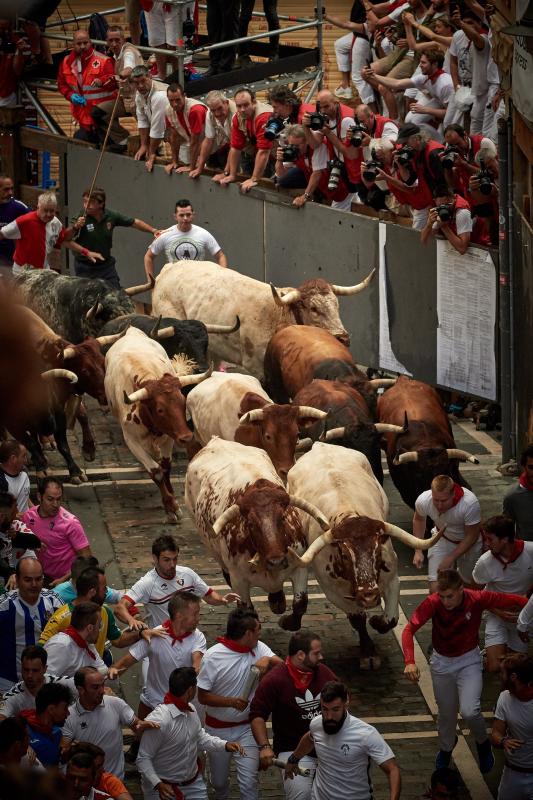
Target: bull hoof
277 602
89 455
76 480
381 625
290 623
174 517
370 663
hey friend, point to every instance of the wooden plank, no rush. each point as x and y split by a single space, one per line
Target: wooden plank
29 194
42 140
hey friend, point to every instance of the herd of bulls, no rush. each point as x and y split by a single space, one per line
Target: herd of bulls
264 516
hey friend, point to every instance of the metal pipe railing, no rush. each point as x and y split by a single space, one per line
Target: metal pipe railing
65 38
284 17
82 17
265 35
49 121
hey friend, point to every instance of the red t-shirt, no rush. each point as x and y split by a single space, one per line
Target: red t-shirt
35 239
455 632
255 132
196 122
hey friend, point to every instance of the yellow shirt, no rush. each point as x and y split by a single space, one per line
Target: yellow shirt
61 620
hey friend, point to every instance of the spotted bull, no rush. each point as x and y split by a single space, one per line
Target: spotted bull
247 520
144 390
202 290
236 408
425 447
74 307
354 561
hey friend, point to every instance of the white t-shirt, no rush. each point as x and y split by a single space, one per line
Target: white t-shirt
461 47
151 111
163 657
103 727
518 715
480 64
195 245
65 657
440 89
225 672
20 699
463 221
19 487
466 512
343 759
155 591
515 577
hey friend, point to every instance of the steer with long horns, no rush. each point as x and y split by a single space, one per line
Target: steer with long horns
354 560
425 446
251 525
235 407
200 290
144 390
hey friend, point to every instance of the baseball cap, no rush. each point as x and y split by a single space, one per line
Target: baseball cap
406 131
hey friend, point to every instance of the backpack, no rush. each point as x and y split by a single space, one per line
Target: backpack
98 30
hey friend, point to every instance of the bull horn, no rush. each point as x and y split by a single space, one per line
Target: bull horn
68 352
405 458
153 332
193 380
94 311
304 444
347 290
384 427
315 548
166 333
50 374
145 287
310 509
309 411
225 328
227 516
255 415
291 297
381 383
111 338
135 397
334 433
462 455
410 540
255 560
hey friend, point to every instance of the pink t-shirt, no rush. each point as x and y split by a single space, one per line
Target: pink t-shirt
61 536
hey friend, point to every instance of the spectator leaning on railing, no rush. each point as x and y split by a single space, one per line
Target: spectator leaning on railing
214 150
450 217
185 121
151 105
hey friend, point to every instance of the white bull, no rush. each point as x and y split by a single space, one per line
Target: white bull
202 290
354 562
251 525
143 387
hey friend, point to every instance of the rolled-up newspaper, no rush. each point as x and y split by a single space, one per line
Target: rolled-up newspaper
305 773
251 682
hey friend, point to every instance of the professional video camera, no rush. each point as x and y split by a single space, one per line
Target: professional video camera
273 128
485 179
317 120
370 168
357 134
449 155
189 29
444 211
334 167
404 155
290 152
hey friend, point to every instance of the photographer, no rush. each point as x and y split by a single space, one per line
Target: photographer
483 195
13 51
459 156
287 110
214 150
310 163
374 174
451 217
248 138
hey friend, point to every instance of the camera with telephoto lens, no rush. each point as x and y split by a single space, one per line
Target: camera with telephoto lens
485 178
448 157
290 152
357 134
334 167
273 128
317 120
404 155
370 168
444 211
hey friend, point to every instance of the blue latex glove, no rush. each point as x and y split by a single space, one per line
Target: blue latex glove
78 100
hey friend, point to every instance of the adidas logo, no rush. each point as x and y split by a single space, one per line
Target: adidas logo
310 704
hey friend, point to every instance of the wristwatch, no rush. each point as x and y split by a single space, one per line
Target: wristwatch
292 759
226 173
308 196
264 746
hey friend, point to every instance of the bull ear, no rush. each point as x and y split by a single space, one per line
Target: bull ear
250 402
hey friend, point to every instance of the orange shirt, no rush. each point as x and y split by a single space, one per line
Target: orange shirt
111 785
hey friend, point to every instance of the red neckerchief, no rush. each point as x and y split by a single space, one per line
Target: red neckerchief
30 715
518 549
524 481
80 641
167 625
458 492
170 699
231 644
436 74
300 678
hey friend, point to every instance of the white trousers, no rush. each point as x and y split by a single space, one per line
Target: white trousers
477 114
465 563
498 631
299 788
194 791
455 113
352 55
420 217
457 684
515 785
247 767
346 204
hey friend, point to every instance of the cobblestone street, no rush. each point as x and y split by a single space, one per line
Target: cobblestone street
120 509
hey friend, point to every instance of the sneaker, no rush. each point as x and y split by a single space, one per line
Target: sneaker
444 757
345 93
485 756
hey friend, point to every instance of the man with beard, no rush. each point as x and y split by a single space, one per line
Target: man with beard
291 693
344 745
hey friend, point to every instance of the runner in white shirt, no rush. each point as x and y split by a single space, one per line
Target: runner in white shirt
74 648
21 696
99 719
222 682
512 728
448 504
507 567
179 731
344 746
13 477
156 588
181 645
